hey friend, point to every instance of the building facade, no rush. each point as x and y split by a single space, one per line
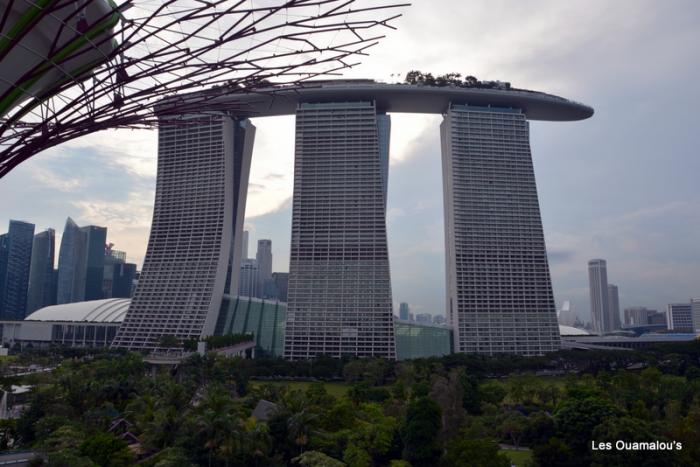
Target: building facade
339 285
614 308
94 261
201 189
20 238
263 256
499 292
695 310
679 317
248 282
598 292
71 254
404 311
42 285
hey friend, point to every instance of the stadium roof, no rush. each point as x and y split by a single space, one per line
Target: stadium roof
111 310
572 331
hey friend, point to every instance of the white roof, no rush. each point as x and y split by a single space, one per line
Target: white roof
572 331
110 310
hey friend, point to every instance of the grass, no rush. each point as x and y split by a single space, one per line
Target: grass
334 389
520 458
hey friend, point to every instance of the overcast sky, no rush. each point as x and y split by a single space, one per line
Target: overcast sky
623 185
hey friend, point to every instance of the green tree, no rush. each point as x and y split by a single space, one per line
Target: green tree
629 429
420 432
554 453
107 450
576 418
316 459
465 452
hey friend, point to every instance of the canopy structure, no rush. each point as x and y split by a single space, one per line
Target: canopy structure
70 68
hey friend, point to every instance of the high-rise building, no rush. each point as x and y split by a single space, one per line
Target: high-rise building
203 168
339 299
112 259
20 238
403 311
81 262
42 286
71 258
264 259
638 316
679 317
499 292
598 291
244 251
695 309
122 279
439 320
94 261
281 281
249 279
614 308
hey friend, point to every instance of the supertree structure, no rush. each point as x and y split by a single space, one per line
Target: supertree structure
73 67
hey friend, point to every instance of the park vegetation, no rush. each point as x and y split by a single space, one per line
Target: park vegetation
109 409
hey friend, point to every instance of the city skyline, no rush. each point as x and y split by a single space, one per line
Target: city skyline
644 231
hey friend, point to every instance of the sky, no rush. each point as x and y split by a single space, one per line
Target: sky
623 185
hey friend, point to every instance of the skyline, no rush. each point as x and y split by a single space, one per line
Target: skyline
618 186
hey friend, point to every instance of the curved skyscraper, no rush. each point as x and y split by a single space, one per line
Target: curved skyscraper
203 167
42 287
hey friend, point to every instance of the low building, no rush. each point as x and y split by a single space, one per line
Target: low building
421 340
82 324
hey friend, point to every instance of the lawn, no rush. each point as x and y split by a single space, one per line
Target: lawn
520 457
334 389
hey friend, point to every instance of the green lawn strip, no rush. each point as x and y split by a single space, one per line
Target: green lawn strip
520 457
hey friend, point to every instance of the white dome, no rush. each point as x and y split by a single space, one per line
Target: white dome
572 331
110 310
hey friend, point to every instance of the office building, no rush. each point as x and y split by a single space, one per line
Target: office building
71 257
598 292
339 286
19 240
499 292
614 308
264 259
679 317
244 251
42 276
695 310
94 261
281 283
123 275
248 282
81 262
638 316
403 311
201 189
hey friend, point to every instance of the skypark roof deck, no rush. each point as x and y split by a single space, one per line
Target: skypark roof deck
406 98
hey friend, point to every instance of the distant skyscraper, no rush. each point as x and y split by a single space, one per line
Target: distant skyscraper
264 260
81 261
403 311
248 282
613 308
339 285
695 307
122 279
71 258
679 317
499 293
96 239
598 291
567 317
638 316
42 287
20 238
244 251
281 281
439 319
